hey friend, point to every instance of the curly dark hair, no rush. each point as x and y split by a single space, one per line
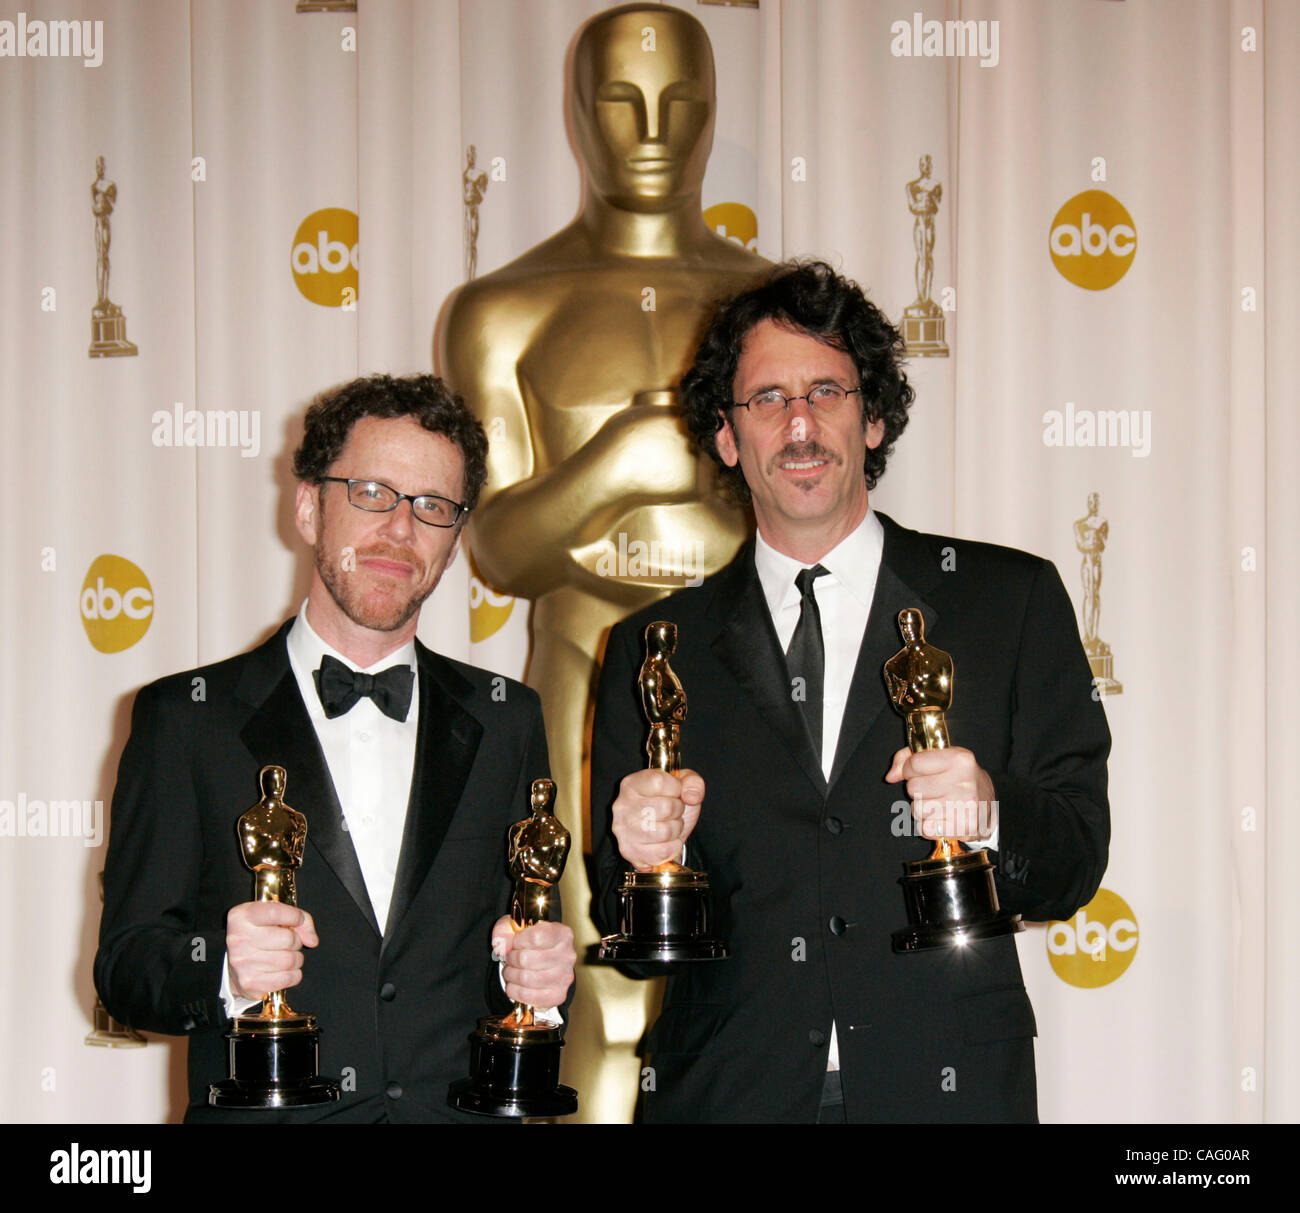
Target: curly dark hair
424 397
812 298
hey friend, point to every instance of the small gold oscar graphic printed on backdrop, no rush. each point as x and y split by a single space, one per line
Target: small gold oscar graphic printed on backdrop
107 321
923 320
475 183
1090 535
107 1032
326 6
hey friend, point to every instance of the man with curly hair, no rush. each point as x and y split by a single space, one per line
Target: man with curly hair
409 768
794 802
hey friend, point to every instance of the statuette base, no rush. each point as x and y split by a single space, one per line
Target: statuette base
108 335
273 1064
951 902
924 336
663 916
514 1072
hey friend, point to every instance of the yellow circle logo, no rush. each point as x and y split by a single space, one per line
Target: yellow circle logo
488 610
1095 946
1093 240
324 257
116 603
734 221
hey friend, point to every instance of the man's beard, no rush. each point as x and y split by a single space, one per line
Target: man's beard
345 588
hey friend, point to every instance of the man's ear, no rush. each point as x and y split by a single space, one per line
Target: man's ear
306 504
725 441
875 433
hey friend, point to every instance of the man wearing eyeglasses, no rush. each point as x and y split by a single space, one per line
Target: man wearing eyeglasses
409 768
802 801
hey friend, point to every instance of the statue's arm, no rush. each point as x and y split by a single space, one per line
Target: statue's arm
532 518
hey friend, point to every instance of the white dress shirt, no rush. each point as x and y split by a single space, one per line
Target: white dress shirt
844 603
371 760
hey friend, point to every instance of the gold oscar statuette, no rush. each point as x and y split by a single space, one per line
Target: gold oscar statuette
107 321
950 895
1090 535
923 320
515 1058
274 1054
664 914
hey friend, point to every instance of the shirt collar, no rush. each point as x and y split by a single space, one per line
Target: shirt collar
307 648
854 563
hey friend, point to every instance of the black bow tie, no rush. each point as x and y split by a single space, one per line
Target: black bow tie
339 688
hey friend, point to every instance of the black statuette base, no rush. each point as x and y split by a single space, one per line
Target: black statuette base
273 1069
951 902
663 920
514 1078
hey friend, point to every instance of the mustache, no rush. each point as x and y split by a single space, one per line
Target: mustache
799 452
388 551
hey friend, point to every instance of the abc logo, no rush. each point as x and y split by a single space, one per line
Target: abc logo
488 610
734 221
1095 946
324 257
116 604
1093 240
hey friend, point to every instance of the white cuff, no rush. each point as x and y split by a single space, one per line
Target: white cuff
234 1006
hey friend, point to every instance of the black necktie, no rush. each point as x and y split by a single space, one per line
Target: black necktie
339 688
806 656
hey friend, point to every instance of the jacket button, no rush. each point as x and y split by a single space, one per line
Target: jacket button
817 1037
388 991
393 1090
838 926
833 825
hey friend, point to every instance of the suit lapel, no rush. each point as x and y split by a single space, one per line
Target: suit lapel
447 740
280 733
748 647
908 570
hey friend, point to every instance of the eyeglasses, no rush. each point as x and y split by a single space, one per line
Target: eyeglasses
376 498
825 399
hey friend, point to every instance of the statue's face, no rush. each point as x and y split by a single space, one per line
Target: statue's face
1092 503
99 166
644 117
925 166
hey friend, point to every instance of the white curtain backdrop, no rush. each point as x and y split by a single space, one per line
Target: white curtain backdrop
226 124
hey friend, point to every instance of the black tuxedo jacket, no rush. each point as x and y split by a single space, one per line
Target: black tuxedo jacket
805 875
396 1007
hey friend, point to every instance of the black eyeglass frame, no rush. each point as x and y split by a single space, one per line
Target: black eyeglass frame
413 498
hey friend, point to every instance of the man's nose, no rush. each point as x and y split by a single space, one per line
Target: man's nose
800 420
400 522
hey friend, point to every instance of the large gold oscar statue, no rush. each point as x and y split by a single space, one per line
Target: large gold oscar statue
596 503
